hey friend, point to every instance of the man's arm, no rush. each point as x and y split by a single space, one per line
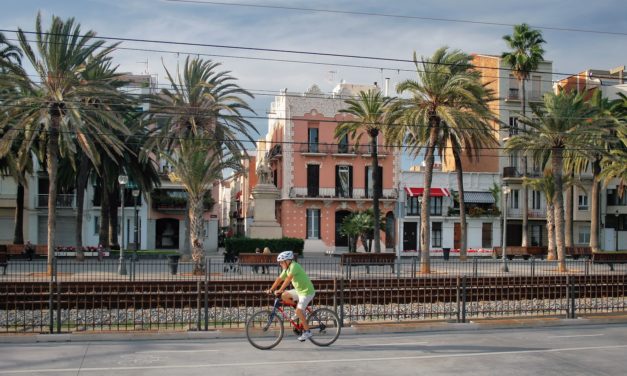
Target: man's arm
286 283
274 285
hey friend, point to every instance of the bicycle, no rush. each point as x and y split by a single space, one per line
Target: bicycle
265 329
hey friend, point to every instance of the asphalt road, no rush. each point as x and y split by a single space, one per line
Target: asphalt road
565 350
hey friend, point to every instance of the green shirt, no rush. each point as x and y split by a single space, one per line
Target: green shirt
300 280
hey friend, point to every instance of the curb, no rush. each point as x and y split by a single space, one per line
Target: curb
365 328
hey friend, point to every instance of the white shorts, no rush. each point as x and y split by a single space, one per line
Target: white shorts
302 301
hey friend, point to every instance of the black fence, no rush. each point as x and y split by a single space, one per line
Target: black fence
153 295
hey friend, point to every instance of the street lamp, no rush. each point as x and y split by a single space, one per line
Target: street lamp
135 195
506 191
123 180
617 214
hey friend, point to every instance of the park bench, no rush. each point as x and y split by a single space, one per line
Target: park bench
609 258
257 260
577 252
524 252
349 260
4 258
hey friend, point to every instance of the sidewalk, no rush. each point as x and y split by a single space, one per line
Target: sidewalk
362 328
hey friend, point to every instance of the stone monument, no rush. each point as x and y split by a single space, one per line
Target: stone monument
265 194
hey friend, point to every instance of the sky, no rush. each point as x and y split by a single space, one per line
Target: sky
597 36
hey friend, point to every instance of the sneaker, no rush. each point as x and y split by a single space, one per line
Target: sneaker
305 336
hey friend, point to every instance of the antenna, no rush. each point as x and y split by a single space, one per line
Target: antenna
145 64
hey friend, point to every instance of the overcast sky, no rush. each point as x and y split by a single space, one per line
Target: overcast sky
335 33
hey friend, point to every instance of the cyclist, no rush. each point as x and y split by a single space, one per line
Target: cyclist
303 292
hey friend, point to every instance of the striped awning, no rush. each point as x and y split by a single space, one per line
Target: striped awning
478 198
435 192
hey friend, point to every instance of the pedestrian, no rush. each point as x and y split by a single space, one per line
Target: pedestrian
265 269
100 252
29 250
256 268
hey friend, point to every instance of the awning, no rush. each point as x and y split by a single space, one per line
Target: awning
478 198
435 192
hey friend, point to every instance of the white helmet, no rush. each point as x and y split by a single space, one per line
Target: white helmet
285 255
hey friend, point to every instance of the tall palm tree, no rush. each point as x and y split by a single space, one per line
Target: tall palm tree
560 124
447 96
196 170
525 55
51 106
371 113
9 53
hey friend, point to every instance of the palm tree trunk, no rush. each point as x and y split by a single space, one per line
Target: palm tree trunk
463 254
52 156
103 234
550 228
594 207
18 233
375 190
525 213
81 185
425 236
195 232
558 201
568 216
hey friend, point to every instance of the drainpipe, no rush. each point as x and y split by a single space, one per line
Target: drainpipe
387 86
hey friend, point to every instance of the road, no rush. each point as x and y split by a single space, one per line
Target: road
564 350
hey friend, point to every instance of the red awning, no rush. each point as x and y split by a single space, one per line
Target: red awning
435 192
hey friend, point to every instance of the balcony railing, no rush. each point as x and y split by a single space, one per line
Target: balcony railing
320 148
358 193
513 94
533 213
63 201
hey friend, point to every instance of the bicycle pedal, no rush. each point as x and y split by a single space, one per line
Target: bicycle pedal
297 331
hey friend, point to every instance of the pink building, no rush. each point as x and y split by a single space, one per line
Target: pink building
322 180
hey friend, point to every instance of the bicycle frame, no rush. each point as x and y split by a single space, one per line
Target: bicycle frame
278 306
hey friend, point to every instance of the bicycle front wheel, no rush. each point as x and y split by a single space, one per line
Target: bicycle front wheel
264 329
324 325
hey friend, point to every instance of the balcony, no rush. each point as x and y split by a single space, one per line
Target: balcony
318 149
513 94
510 172
358 194
533 213
63 200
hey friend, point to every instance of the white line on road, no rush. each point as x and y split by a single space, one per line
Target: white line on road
172 351
288 362
578 335
390 344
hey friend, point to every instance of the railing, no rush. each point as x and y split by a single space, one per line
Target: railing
323 148
62 201
92 296
513 94
358 193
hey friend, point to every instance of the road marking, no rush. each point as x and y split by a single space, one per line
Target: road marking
578 335
172 351
391 344
292 362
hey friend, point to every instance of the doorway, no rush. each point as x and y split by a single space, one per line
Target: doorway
410 236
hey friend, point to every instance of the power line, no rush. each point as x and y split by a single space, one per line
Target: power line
401 16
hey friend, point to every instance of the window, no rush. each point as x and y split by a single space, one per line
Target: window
513 199
436 206
313 223
413 205
535 87
96 225
513 160
436 234
584 235
342 147
486 235
583 202
614 199
535 200
513 87
344 181
370 181
536 235
313 140
313 180
513 125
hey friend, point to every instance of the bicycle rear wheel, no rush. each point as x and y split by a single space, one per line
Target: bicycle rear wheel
324 325
264 329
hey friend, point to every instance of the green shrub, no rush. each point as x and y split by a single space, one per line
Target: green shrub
239 245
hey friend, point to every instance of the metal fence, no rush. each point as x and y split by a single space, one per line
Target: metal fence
92 295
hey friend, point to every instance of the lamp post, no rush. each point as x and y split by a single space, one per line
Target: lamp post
506 190
123 180
136 240
617 214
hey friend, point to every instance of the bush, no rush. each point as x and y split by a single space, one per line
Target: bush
239 245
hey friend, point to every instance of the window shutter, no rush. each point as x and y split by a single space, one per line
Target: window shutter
350 181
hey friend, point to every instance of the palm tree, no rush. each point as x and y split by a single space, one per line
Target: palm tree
447 99
196 170
372 114
559 125
525 55
9 54
51 106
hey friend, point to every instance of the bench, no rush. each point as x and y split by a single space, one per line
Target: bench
576 252
4 258
524 252
609 258
348 260
256 260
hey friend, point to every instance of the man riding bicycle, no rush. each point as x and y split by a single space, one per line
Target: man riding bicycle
303 292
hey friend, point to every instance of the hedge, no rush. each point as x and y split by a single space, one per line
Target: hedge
239 245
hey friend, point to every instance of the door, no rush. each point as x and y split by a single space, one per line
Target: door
313 180
340 240
389 231
410 236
